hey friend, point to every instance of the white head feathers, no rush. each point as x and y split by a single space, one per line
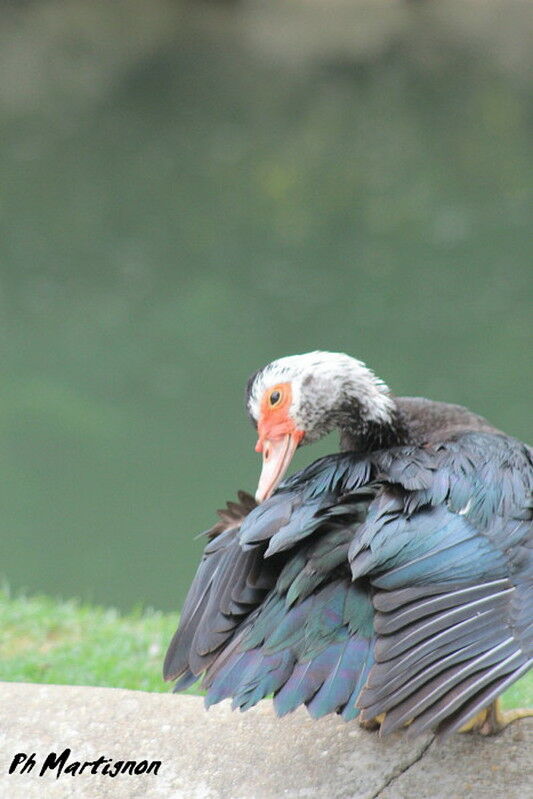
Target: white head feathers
323 384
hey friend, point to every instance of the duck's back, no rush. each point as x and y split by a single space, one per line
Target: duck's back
431 421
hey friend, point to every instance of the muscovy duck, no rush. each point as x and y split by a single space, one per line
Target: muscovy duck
392 580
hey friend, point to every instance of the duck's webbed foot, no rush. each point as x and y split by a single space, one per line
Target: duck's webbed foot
494 719
372 724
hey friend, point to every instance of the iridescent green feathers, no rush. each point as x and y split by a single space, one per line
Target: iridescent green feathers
399 582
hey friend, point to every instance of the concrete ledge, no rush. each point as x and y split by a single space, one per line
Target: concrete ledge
225 755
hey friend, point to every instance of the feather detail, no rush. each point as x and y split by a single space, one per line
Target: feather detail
394 582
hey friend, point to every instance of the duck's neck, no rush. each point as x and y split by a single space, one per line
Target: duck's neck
414 420
366 435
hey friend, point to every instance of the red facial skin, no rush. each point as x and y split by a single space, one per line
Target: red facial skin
278 438
274 420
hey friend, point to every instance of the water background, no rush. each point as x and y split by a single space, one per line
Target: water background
191 190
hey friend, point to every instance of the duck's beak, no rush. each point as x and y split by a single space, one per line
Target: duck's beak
277 454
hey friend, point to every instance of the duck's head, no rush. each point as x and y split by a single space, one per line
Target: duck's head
298 399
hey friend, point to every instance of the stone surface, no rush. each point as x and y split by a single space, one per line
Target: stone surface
470 766
225 755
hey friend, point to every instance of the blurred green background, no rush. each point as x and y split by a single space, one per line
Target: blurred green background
190 190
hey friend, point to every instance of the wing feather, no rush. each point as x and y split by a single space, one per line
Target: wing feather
396 582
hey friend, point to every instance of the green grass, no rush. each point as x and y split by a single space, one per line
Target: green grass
49 641
44 640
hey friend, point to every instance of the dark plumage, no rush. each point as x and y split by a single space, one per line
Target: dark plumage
392 578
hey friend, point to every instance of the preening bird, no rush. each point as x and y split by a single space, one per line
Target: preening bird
391 580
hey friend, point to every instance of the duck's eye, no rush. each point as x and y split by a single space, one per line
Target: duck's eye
275 398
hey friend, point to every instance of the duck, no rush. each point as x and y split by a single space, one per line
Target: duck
389 582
